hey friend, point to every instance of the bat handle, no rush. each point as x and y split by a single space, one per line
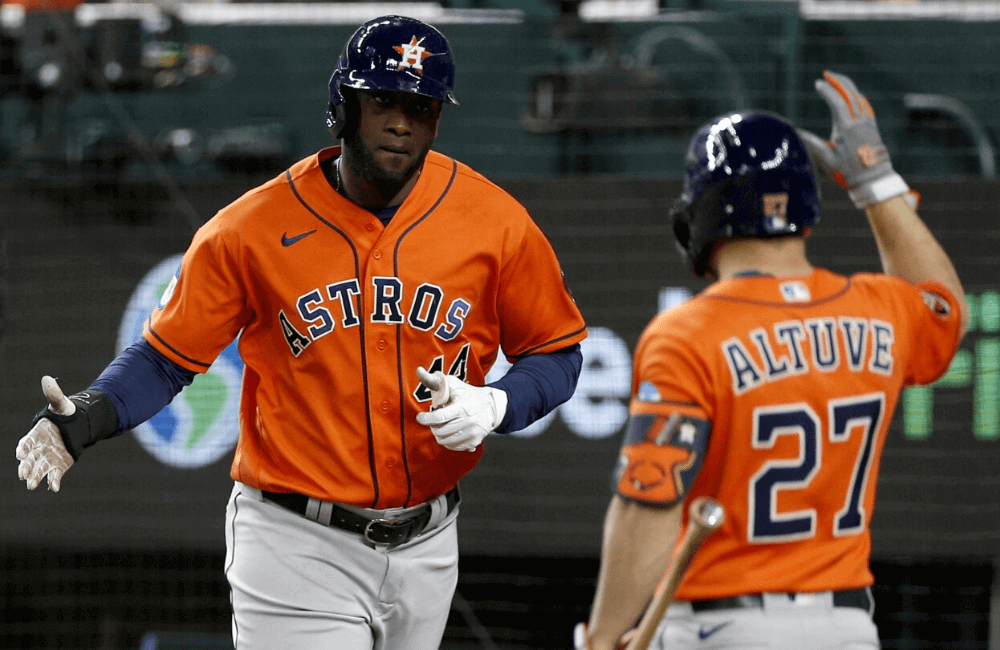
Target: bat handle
704 516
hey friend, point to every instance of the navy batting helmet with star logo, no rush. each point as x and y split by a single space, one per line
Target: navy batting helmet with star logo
391 53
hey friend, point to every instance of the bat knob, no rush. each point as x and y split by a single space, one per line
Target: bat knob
708 512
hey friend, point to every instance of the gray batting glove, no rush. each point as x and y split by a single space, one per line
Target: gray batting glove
42 452
461 415
854 155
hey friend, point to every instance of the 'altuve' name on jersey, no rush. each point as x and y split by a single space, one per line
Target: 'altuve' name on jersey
796 347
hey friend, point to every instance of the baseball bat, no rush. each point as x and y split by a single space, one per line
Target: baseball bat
705 515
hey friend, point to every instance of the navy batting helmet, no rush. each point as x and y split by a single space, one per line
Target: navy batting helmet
391 53
747 175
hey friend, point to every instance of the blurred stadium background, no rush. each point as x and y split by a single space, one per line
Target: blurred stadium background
124 126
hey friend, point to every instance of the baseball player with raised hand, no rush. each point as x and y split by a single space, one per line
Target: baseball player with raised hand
772 392
366 284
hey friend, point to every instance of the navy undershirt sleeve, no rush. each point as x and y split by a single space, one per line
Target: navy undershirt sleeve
140 382
536 384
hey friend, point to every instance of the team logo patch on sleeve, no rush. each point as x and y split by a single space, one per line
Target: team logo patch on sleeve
660 457
936 303
647 393
168 292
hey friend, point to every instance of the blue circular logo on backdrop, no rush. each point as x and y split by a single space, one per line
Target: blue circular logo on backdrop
201 424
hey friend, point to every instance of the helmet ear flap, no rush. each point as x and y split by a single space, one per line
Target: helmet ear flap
332 122
342 118
691 221
680 219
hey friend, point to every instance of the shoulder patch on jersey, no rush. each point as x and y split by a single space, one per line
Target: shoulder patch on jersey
647 393
168 292
936 303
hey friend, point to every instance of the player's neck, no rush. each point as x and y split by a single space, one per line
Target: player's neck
781 257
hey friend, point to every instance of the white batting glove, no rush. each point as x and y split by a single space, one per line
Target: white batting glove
854 155
42 452
461 415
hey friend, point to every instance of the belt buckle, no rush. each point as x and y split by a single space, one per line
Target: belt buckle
385 522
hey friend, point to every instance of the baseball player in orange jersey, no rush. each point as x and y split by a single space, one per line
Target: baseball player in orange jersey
367 285
772 392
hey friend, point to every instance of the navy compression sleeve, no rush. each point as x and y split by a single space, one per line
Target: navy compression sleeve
140 382
536 384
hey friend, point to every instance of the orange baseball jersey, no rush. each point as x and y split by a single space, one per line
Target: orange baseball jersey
334 312
781 391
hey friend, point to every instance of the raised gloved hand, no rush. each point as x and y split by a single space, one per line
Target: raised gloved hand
854 155
461 415
60 433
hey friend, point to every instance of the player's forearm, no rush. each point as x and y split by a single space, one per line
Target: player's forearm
909 250
638 542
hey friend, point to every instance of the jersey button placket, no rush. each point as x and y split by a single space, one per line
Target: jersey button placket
377 254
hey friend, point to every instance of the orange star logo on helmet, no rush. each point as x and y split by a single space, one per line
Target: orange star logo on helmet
413 55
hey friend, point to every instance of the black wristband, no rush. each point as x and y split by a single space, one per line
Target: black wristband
94 419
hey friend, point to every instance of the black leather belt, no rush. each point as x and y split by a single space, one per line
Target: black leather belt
859 598
394 531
